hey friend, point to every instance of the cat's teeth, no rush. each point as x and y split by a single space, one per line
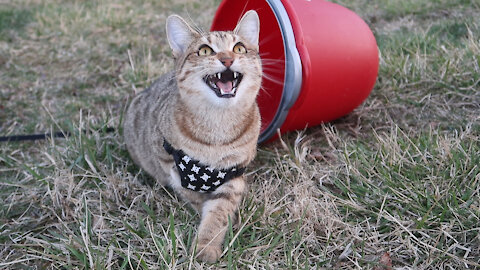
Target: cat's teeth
235 74
219 76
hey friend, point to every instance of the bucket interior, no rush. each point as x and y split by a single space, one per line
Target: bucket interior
272 51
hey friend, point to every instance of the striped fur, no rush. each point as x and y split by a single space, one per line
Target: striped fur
220 132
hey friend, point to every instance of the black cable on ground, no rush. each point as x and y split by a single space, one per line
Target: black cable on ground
34 137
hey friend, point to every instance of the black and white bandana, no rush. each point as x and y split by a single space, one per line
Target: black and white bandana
196 176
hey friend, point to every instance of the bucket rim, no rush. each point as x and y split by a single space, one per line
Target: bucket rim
293 71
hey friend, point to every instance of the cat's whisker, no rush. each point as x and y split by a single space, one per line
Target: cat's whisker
271 61
273 66
194 26
263 90
274 72
268 77
277 70
243 11
263 54
266 39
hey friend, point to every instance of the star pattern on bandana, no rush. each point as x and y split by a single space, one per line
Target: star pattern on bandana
197 176
205 177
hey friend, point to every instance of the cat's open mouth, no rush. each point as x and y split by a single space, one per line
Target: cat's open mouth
224 84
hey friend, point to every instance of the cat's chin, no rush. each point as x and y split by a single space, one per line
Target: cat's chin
224 84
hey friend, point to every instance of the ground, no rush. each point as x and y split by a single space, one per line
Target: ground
394 184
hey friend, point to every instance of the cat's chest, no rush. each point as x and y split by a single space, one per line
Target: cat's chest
230 149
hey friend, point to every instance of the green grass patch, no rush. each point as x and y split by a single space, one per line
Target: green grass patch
420 7
427 182
13 20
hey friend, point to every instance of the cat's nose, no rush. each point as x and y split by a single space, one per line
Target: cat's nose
226 61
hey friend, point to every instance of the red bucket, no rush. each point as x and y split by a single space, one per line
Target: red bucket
320 60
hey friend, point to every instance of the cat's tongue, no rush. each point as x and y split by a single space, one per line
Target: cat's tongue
226 87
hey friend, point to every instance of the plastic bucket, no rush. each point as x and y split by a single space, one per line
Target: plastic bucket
320 60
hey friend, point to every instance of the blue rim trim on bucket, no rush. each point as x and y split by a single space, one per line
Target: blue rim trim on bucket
293 71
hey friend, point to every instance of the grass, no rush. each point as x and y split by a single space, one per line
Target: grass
398 178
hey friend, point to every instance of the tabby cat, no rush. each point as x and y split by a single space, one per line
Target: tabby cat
196 128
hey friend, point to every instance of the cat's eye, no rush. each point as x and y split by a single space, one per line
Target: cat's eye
239 48
205 51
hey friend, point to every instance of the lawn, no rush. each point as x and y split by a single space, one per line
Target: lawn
395 184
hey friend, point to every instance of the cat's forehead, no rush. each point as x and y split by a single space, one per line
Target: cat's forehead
220 40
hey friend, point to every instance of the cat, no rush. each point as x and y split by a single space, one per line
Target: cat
196 128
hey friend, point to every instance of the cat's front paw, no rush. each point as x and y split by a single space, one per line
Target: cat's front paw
208 253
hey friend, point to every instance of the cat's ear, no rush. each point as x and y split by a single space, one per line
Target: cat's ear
179 34
249 27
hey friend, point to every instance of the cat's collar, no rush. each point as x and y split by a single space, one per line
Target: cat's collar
197 176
